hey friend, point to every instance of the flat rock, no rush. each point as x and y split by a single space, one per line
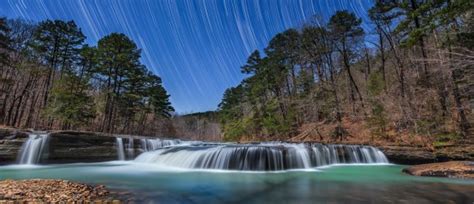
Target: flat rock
452 169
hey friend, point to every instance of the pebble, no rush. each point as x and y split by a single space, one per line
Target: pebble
51 191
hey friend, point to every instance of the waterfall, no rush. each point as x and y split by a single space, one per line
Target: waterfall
126 149
120 149
130 148
261 157
154 144
33 149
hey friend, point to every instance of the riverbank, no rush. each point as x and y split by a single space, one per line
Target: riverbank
452 169
53 190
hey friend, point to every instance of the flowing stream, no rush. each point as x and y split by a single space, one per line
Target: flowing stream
150 183
175 171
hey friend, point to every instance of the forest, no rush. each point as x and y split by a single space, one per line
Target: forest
410 74
51 79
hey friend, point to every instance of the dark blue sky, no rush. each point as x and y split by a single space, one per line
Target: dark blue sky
195 46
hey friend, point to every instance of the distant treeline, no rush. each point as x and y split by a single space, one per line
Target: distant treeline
412 72
51 79
198 126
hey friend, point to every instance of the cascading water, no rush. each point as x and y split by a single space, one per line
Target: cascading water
154 144
33 149
120 149
130 148
126 149
261 157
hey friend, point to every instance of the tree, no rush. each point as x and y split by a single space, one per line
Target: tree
117 57
346 30
56 44
4 42
5 49
70 104
128 88
284 49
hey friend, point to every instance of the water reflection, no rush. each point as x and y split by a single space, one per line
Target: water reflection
341 184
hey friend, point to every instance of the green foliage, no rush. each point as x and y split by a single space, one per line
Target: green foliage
257 105
80 83
420 18
273 122
377 121
57 43
345 25
444 139
69 101
4 42
234 130
375 84
129 88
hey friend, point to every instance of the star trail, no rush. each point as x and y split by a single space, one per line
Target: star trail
195 46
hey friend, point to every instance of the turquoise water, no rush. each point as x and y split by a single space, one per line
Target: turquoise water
342 184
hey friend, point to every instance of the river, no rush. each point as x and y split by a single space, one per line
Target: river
337 183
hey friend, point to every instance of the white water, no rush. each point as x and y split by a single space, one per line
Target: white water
126 149
271 156
130 148
32 150
154 144
120 149
261 157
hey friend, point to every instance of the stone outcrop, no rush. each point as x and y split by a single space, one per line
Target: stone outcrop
452 169
65 146
11 141
419 155
408 155
69 147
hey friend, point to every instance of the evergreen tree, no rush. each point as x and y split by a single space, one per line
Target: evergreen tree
5 41
346 31
56 44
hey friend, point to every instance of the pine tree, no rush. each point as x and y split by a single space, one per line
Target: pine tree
56 44
346 31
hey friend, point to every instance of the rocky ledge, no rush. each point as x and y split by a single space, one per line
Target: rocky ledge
412 155
452 169
52 191
74 146
68 146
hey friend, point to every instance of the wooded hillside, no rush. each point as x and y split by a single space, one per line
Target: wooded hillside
410 74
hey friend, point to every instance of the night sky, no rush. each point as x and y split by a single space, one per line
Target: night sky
195 46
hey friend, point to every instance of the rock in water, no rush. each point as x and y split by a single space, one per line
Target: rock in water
452 169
